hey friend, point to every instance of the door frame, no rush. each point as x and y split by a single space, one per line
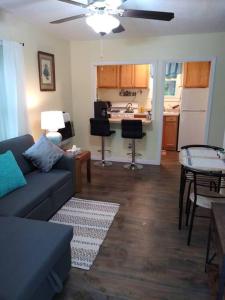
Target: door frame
152 62
162 73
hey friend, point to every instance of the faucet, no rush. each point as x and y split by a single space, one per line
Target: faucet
129 108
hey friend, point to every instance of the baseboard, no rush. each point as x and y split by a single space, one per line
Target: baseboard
124 160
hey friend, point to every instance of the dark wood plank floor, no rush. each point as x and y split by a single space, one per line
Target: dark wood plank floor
144 255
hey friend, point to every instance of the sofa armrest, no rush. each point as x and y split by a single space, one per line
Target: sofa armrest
67 162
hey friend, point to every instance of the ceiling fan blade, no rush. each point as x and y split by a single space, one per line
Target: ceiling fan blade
78 3
74 3
118 29
68 19
146 14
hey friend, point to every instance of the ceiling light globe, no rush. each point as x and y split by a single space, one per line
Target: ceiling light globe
102 23
113 4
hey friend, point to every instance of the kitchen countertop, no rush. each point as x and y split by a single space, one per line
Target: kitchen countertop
171 113
118 120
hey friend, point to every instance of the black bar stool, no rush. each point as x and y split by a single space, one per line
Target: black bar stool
101 127
132 129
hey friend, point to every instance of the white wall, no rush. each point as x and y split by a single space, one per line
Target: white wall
12 28
166 48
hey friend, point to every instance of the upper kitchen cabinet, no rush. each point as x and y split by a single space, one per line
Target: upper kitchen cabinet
108 76
126 76
196 74
141 76
134 76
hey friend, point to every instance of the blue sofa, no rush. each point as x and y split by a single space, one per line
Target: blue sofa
35 256
44 193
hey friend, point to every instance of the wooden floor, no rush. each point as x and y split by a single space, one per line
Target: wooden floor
144 255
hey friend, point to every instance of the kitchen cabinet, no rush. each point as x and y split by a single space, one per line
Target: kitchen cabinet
141 76
170 132
123 76
196 74
134 76
126 76
108 76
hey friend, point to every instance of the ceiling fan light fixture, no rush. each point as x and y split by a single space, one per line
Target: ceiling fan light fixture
114 4
102 22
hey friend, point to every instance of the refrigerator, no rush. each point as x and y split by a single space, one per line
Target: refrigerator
194 105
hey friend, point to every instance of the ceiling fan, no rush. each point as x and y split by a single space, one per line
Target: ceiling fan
101 14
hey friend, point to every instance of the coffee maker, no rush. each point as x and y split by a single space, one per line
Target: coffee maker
101 109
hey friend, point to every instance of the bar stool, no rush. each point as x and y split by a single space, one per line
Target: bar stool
132 129
101 127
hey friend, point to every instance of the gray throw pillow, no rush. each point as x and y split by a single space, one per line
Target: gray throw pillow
43 154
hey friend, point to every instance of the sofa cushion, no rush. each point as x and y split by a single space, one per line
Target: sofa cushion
18 146
39 186
29 251
44 154
11 177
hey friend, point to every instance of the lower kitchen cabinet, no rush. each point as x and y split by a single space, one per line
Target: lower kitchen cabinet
170 132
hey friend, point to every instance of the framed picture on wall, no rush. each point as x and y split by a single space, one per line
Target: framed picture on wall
46 66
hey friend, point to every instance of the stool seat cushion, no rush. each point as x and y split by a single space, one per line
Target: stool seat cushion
132 129
29 251
100 127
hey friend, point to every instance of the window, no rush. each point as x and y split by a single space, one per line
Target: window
13 112
173 79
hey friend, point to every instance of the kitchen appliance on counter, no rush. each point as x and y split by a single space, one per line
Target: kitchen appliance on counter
101 109
124 109
194 105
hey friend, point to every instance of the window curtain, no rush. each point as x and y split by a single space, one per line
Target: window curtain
173 69
13 110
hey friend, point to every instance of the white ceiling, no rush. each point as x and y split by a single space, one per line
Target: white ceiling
191 16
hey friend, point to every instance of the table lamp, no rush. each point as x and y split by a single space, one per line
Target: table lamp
52 121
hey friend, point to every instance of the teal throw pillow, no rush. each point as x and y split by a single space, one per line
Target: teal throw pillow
11 177
44 154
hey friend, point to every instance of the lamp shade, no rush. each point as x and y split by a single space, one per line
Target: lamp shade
52 120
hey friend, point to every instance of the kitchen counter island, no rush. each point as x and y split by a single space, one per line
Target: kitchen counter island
118 120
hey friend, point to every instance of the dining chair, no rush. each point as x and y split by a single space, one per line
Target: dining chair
203 195
202 146
187 178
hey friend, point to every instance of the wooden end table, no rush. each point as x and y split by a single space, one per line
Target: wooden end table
84 156
217 238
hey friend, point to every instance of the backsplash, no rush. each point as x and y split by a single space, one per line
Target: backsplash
143 97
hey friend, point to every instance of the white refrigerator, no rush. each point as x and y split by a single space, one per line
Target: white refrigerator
194 105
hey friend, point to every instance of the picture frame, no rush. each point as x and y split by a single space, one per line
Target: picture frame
46 67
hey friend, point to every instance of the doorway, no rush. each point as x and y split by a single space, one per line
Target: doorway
186 103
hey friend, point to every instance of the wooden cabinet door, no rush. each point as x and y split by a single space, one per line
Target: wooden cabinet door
196 74
141 76
170 132
127 76
108 76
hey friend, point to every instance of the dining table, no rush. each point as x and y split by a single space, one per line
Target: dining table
203 158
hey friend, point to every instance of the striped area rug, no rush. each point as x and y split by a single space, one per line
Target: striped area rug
91 221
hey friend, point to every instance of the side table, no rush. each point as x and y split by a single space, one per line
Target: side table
84 156
217 238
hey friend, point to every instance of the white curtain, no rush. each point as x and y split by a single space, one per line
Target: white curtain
13 110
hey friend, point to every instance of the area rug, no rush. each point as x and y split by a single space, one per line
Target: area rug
91 221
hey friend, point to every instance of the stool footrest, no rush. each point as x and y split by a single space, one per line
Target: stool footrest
136 154
100 151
